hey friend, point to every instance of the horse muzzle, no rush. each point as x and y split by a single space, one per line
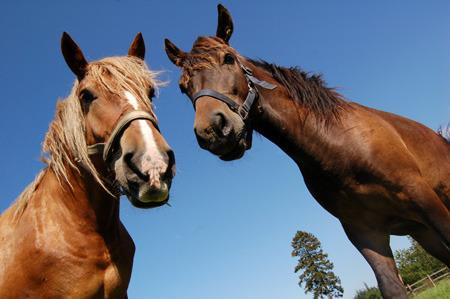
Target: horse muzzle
146 181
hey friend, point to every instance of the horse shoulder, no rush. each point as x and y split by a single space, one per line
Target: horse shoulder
358 160
401 147
376 144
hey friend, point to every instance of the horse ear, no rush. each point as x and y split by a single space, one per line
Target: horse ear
73 56
224 24
137 48
175 55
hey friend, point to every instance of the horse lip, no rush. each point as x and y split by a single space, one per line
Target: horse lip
146 205
232 156
155 196
223 147
236 153
154 192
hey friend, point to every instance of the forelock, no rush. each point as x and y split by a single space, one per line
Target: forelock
202 56
125 74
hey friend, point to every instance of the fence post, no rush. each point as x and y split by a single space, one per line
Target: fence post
432 282
414 286
408 287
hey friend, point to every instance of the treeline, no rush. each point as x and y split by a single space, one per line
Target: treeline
414 263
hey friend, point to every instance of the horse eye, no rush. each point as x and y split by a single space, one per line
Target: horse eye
151 93
87 96
229 59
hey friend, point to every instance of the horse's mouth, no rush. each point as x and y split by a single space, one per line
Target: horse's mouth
147 205
143 196
235 153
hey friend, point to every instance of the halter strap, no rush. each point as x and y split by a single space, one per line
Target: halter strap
212 93
244 109
105 148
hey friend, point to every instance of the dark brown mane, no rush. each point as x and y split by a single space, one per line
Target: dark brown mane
199 57
310 90
205 44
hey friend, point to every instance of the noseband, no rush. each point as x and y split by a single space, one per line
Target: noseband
242 110
106 148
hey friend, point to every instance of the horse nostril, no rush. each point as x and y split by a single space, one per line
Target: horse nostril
170 171
201 139
128 158
221 127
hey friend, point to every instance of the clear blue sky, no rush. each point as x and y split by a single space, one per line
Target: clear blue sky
216 241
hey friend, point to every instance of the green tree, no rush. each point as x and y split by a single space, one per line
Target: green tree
414 263
368 293
315 269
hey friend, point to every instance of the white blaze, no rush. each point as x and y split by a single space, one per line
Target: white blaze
155 165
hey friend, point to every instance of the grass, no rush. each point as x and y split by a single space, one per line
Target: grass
441 291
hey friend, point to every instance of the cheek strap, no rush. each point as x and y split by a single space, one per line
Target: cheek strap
242 110
252 95
106 148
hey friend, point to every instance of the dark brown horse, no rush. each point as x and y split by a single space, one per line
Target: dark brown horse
63 237
380 174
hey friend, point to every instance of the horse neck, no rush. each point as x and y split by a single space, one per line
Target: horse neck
84 201
297 130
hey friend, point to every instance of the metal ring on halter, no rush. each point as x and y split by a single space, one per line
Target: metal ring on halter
105 148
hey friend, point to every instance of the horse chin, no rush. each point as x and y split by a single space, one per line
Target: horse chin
235 153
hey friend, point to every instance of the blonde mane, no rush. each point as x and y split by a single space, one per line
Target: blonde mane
65 146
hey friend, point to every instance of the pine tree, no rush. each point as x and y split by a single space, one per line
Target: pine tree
315 268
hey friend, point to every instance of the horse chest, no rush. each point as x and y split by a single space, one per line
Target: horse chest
348 199
327 191
72 267
102 275
103 271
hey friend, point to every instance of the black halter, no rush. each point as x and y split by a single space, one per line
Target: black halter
242 110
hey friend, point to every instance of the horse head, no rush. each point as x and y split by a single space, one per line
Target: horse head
120 127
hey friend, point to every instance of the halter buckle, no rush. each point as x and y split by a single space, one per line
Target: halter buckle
246 70
243 113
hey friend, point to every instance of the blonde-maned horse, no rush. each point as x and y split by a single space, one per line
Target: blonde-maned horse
63 238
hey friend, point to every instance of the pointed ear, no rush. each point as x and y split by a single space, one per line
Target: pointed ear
137 48
73 56
175 55
224 24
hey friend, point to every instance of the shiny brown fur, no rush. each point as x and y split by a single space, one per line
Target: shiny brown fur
63 237
380 174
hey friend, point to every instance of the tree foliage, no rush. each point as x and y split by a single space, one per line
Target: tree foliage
414 263
316 275
368 293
